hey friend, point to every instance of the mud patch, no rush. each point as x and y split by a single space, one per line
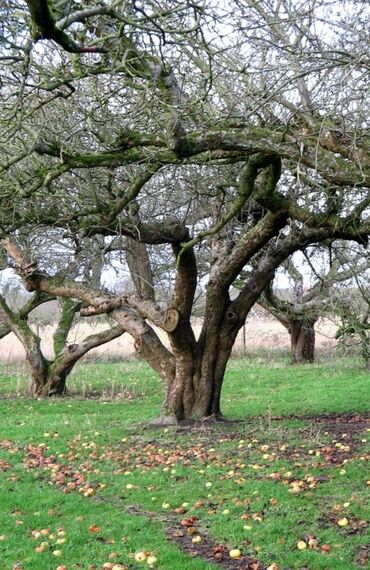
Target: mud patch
363 556
210 550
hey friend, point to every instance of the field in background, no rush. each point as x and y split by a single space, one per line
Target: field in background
86 484
258 334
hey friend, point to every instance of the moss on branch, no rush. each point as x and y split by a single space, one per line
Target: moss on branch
44 27
272 200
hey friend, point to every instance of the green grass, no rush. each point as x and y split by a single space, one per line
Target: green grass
236 478
285 389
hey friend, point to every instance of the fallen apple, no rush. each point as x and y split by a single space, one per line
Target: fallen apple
235 553
301 545
40 548
325 548
140 556
57 553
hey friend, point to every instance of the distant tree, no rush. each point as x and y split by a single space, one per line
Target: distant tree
356 330
353 311
48 376
302 305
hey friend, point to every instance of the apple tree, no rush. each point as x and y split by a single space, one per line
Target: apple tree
318 280
199 138
48 375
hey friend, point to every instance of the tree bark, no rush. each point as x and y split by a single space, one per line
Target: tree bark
38 366
45 380
194 387
302 337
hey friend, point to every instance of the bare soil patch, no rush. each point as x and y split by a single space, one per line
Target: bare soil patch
211 551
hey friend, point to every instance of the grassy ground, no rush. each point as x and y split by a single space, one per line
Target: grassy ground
84 483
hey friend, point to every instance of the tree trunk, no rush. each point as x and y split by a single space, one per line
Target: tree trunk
47 378
194 389
365 348
193 394
302 338
38 366
199 367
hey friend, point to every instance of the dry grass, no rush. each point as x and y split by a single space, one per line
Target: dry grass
258 333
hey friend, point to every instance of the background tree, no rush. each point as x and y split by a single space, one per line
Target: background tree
316 281
226 137
353 310
48 375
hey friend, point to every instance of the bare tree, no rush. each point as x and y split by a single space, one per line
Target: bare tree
48 376
302 304
220 137
353 310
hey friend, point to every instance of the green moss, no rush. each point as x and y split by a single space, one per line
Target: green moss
64 325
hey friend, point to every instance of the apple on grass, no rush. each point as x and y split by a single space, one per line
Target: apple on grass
57 553
140 556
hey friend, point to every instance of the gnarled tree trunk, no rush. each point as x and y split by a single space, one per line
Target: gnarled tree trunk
38 367
193 385
302 337
298 317
48 376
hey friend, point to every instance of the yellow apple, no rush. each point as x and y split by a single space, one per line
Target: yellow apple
57 553
235 553
140 556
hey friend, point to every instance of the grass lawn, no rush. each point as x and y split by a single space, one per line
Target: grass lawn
86 484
